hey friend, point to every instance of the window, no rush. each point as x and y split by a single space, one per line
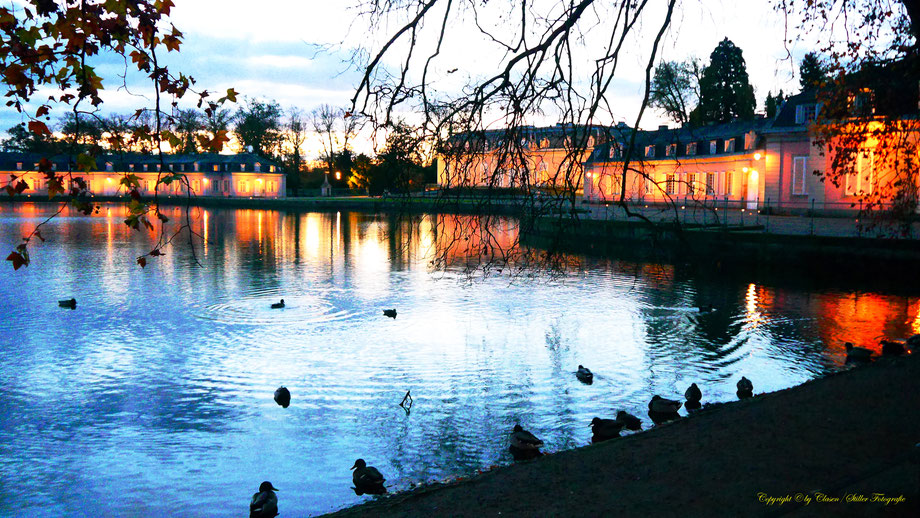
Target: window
109 166
672 150
614 152
35 166
805 113
649 151
729 146
691 184
691 149
147 186
195 186
729 183
159 167
243 167
590 142
271 169
258 167
799 166
19 166
862 179
239 186
226 185
195 166
670 186
216 168
182 168
543 171
713 146
862 103
130 167
710 184
544 143
145 167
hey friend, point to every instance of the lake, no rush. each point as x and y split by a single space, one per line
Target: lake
154 396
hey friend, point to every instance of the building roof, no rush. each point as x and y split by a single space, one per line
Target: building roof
10 161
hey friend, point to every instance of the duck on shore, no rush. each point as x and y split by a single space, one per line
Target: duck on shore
892 348
278 305
694 395
389 313
524 445
604 429
630 422
745 388
283 396
858 354
661 410
70 303
264 504
584 375
367 479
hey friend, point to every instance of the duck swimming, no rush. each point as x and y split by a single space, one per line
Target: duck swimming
605 429
283 396
630 422
71 303
389 313
264 504
584 375
367 479
524 445
858 354
278 305
745 388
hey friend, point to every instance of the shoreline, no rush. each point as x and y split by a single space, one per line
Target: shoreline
816 449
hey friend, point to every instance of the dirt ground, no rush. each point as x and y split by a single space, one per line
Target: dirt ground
843 445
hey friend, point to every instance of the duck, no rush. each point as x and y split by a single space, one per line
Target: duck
630 422
605 429
664 406
706 309
71 303
389 313
584 375
858 354
367 479
892 348
745 388
264 504
278 305
283 396
693 395
524 445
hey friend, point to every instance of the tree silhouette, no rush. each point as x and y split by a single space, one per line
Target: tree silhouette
725 91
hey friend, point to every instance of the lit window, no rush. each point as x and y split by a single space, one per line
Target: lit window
729 146
672 150
670 186
713 146
243 167
216 168
649 151
271 169
861 181
19 166
729 183
130 167
109 166
258 167
691 149
691 184
710 184
805 113
799 166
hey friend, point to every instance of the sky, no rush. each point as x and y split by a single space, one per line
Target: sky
272 49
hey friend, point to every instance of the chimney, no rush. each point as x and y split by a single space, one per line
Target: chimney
663 127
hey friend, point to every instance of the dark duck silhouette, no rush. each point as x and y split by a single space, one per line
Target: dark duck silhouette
389 313
605 429
584 375
706 309
745 388
858 354
524 445
367 479
278 305
70 303
661 410
694 395
630 422
264 504
892 348
283 397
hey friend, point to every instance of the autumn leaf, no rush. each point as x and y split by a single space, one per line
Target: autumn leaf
142 261
231 95
39 128
162 217
18 260
155 252
85 162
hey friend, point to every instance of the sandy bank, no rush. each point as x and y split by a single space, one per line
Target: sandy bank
846 436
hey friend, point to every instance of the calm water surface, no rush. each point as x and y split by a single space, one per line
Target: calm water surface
154 397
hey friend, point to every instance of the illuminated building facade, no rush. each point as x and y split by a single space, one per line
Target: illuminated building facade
227 176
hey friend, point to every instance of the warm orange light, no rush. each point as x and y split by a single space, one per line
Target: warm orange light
258 180
744 169
205 181
757 156
338 175
108 180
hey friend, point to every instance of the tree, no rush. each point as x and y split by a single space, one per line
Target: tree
334 127
811 72
258 124
725 91
295 134
24 141
398 168
676 89
53 46
361 172
772 103
869 99
188 125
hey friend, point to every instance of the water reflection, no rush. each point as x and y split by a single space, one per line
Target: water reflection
164 376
